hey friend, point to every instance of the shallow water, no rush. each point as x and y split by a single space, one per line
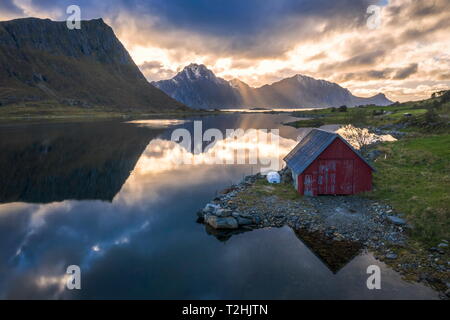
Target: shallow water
109 197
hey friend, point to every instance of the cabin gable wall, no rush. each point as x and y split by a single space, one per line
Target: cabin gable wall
307 182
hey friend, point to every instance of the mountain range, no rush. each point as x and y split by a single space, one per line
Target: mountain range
42 60
198 87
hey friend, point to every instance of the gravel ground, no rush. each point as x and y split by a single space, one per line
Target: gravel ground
339 217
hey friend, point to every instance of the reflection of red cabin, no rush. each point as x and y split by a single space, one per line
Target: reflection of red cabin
325 163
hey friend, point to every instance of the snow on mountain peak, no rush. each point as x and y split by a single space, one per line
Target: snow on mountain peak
197 71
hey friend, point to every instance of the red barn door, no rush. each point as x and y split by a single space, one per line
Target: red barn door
308 185
335 177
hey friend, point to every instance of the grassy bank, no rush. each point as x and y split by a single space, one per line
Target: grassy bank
262 188
413 175
369 115
51 111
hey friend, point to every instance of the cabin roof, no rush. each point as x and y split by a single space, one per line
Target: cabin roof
311 146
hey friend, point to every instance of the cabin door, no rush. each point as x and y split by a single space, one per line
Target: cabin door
335 177
308 185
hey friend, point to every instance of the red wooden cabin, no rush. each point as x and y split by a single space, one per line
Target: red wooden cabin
325 163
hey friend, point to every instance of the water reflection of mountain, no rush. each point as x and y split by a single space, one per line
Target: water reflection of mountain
47 163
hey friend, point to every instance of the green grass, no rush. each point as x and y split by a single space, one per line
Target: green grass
400 115
415 179
365 115
261 188
250 198
50 110
282 190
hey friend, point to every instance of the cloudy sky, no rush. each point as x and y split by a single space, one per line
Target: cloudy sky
405 53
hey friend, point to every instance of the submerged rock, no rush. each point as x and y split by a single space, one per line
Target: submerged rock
221 223
244 221
201 215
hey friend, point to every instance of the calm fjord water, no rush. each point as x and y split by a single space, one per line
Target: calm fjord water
108 197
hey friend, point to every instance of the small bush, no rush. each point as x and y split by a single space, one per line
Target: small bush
343 108
377 112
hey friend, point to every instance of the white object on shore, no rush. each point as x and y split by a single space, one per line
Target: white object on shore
273 177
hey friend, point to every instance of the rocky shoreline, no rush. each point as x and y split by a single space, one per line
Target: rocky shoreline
348 218
368 224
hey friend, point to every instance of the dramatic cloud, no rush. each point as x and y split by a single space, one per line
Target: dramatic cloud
155 70
406 72
387 73
9 10
257 41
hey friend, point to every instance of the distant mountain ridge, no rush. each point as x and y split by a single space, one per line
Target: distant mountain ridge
198 87
42 59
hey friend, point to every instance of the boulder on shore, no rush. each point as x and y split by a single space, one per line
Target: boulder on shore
221 222
397 220
244 221
223 213
286 176
211 208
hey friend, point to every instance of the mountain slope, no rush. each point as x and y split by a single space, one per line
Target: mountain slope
378 99
198 87
43 59
303 91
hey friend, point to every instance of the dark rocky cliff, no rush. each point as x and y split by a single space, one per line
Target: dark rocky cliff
43 59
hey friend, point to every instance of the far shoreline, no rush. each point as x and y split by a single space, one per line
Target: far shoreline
22 113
